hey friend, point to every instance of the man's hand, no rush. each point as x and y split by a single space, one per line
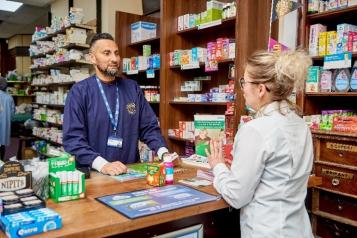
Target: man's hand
172 157
114 168
216 155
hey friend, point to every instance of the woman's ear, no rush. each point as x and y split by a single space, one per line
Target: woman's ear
262 90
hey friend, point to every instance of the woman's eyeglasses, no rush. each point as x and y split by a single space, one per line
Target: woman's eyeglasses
242 82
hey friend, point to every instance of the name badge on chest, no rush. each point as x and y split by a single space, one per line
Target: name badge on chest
115 142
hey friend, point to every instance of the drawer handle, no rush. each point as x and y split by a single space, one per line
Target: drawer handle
340 154
340 208
335 182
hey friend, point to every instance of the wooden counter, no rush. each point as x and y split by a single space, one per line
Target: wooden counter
89 218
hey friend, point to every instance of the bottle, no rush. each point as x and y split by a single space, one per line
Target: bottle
353 82
342 80
169 171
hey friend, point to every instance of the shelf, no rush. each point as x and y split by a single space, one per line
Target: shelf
63 64
148 41
203 64
321 58
200 103
49 36
53 84
180 139
335 218
50 123
50 141
332 94
43 54
226 23
154 102
332 14
75 46
140 72
336 192
49 105
333 133
9 82
19 95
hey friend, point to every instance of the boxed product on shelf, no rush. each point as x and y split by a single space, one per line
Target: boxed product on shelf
352 3
313 6
315 31
326 81
76 35
48 133
345 124
75 15
66 183
30 223
342 36
331 42
322 43
142 31
214 10
313 77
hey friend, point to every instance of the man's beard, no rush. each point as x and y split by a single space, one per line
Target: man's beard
108 72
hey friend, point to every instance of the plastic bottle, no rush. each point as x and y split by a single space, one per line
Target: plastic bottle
353 82
169 171
342 80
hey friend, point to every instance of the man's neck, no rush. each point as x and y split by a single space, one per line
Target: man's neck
104 78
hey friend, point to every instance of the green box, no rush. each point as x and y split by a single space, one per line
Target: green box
213 14
63 169
67 191
65 162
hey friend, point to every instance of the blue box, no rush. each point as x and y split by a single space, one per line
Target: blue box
30 223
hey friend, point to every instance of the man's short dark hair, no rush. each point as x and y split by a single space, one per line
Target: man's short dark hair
100 36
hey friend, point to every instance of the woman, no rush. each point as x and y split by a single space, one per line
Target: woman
272 154
7 110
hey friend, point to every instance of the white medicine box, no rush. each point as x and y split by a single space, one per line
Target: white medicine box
142 31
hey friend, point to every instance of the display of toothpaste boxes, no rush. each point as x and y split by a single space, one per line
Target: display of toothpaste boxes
30 223
142 31
66 183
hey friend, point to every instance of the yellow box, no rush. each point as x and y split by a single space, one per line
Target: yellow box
331 42
322 43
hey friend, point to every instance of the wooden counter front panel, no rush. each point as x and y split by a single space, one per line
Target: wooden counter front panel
338 179
326 228
337 151
338 205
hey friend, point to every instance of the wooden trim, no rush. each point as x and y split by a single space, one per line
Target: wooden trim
342 166
321 133
148 41
180 139
335 218
328 14
332 94
199 103
336 192
99 15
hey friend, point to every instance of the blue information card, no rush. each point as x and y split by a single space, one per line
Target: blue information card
159 199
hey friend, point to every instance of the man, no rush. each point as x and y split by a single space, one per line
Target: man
105 116
7 110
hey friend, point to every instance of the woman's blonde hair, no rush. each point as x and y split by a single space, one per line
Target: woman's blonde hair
280 72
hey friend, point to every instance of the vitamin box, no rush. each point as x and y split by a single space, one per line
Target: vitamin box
155 175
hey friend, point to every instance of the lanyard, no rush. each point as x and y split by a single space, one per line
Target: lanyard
112 120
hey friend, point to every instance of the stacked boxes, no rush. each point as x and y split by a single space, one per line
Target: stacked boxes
343 32
66 183
29 223
142 31
185 130
315 31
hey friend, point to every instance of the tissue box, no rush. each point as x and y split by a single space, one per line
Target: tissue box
142 31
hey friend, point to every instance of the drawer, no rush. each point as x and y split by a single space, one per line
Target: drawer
337 179
326 228
337 151
338 205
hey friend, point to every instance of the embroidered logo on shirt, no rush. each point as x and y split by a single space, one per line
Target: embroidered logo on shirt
131 107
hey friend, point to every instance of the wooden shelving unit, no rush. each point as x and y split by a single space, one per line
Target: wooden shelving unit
332 149
128 49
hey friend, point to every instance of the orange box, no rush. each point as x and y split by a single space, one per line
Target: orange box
155 175
345 124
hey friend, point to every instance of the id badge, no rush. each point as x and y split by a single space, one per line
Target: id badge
115 142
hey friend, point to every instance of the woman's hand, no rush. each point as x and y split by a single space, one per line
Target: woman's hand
216 155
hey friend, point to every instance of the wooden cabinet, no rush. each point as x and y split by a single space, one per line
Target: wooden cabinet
333 203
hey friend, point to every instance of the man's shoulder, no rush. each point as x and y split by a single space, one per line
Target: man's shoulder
83 84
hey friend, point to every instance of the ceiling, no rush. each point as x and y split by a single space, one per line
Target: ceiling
32 13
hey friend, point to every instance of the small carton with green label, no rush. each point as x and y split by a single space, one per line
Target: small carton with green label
66 183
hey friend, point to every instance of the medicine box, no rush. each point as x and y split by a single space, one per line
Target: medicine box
142 31
66 183
315 31
30 223
313 78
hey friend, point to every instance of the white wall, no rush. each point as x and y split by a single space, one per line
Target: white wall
59 8
89 8
109 7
